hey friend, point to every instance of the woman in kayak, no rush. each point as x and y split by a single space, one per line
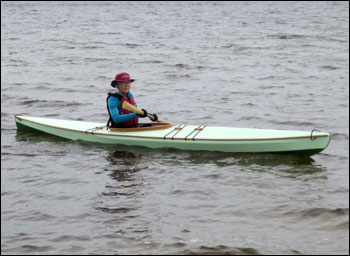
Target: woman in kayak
118 116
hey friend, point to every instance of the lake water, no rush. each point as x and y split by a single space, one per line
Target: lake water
278 65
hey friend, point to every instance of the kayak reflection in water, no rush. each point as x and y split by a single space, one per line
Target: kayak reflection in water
118 116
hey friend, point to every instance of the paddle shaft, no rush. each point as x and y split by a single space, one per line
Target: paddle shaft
136 110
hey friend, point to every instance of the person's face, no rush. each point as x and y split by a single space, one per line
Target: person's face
124 87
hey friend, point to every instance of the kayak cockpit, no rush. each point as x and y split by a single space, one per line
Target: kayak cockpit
143 127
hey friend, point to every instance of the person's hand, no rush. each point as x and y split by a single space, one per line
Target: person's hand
144 113
155 117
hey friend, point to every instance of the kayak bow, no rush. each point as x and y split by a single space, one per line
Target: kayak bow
184 137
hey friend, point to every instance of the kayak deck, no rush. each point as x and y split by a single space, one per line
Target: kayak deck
185 137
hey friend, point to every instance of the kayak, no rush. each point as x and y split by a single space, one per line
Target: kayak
183 136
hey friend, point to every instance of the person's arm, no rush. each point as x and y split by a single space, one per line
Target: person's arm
114 105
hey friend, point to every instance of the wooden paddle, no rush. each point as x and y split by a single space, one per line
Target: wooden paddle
136 110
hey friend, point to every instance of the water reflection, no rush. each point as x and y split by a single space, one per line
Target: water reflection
34 136
124 165
123 197
288 166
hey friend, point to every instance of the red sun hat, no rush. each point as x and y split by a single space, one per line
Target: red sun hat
123 77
